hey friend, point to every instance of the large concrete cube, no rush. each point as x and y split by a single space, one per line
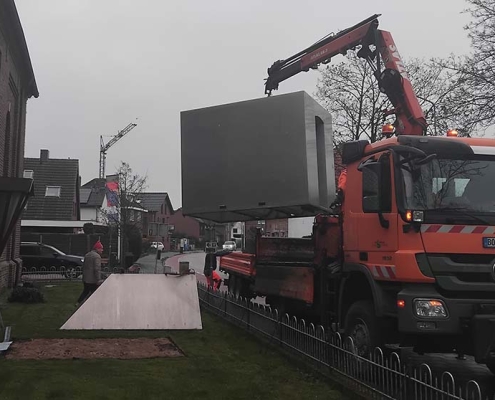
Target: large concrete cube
266 158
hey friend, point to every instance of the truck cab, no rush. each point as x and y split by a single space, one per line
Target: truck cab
408 257
421 227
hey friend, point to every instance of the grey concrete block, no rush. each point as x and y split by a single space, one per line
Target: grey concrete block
259 159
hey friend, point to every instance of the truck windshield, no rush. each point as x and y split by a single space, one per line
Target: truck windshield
445 184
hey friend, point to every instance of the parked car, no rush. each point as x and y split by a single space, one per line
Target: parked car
157 246
230 245
43 257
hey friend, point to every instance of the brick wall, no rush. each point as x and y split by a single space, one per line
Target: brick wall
161 216
185 225
277 227
12 138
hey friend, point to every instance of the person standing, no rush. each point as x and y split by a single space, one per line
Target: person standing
91 272
212 277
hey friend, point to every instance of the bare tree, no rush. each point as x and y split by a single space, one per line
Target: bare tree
125 212
350 93
473 101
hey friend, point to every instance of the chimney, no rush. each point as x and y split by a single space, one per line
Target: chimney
44 155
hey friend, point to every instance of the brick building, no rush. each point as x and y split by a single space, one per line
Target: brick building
17 85
156 222
199 230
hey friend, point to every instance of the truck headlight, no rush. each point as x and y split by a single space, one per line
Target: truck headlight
430 308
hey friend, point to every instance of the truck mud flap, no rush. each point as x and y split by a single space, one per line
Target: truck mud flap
295 282
483 335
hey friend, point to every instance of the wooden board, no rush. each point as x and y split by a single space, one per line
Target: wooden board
140 301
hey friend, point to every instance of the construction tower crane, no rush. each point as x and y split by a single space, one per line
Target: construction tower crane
104 147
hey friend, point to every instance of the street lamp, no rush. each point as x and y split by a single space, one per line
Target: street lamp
14 194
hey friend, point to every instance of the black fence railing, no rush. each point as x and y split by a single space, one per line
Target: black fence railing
379 377
51 274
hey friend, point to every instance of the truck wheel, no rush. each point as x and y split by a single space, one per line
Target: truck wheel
234 285
237 286
71 272
363 326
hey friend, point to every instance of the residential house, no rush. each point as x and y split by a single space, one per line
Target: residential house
17 85
94 201
195 228
97 197
55 206
156 223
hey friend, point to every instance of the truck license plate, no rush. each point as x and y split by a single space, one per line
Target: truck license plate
489 242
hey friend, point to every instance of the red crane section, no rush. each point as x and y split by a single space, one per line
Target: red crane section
377 47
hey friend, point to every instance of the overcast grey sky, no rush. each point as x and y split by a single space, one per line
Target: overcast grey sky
100 64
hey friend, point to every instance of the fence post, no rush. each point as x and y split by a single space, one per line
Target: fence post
248 314
225 304
208 295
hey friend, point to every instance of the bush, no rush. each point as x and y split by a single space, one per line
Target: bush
23 294
135 242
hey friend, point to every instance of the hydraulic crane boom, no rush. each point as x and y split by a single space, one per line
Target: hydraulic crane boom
375 44
104 147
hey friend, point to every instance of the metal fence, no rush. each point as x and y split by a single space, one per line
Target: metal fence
51 274
379 377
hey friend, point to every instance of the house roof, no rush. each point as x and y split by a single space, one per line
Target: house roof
97 189
153 201
52 172
12 27
85 193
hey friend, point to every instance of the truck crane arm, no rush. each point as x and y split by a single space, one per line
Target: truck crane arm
374 44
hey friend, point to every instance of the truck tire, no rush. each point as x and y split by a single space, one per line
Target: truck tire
235 285
363 326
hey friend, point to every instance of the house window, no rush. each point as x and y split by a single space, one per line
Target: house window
28 173
52 191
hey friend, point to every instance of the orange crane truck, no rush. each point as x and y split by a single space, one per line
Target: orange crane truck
408 256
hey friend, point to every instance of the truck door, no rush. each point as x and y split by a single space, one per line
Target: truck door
377 234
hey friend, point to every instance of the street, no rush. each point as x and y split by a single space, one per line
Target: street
148 262
196 262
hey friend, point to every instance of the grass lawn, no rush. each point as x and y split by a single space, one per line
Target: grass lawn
221 362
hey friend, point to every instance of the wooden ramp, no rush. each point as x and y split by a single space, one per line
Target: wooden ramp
140 301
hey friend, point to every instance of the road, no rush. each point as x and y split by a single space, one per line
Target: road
147 263
462 370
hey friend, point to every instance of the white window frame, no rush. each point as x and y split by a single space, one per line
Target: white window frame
48 188
29 175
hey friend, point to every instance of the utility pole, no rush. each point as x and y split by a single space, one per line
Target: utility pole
105 147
